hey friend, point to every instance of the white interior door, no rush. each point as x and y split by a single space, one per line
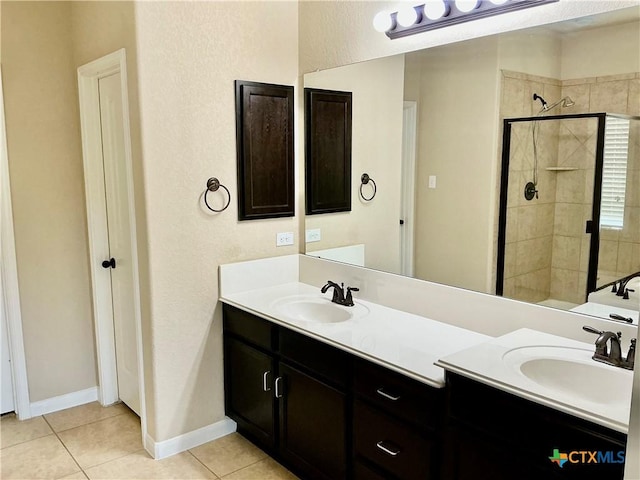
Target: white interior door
407 213
7 401
119 233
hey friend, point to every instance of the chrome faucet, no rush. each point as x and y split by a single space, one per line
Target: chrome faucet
612 356
339 296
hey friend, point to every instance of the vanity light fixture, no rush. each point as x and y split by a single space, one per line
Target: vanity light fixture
407 16
441 13
383 22
435 9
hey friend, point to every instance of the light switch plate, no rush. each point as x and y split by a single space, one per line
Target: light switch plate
432 181
284 238
313 235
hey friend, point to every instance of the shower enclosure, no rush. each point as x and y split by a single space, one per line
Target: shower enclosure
569 206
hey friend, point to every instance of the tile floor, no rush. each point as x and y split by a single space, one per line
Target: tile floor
95 442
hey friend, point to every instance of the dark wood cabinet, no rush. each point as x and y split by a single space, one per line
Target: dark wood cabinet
313 428
249 390
329 415
288 394
496 435
265 141
396 425
327 151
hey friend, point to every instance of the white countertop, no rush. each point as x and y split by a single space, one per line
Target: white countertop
486 363
400 341
603 311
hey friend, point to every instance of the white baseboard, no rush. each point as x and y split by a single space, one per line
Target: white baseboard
181 443
61 402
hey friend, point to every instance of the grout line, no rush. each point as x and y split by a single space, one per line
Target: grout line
84 424
64 446
203 464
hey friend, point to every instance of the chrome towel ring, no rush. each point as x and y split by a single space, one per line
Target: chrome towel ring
213 184
364 180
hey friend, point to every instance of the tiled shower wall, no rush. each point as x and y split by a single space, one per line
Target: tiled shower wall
547 251
530 224
619 249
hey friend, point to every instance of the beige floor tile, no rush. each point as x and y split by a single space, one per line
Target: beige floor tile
74 476
81 415
105 440
140 465
14 431
43 457
228 454
267 469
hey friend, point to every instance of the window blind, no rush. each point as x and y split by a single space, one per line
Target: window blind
614 174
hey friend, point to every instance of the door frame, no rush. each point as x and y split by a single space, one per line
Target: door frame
88 77
9 272
409 137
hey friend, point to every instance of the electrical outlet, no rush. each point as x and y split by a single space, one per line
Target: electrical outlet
313 235
284 238
432 181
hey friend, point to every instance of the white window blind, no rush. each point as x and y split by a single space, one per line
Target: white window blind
614 174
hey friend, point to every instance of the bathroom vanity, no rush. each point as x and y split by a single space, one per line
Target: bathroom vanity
373 392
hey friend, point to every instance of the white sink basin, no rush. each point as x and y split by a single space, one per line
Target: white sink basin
571 372
316 309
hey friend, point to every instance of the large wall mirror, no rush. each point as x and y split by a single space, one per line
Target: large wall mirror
428 126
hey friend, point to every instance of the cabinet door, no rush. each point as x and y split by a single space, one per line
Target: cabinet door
249 375
312 425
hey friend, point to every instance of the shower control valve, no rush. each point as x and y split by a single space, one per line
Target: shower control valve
530 191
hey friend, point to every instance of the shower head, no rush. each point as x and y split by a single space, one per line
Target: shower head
564 103
542 100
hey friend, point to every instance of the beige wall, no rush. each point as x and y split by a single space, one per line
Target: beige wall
189 54
45 163
341 33
454 221
579 47
377 150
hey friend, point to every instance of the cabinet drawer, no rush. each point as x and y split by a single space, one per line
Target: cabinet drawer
364 472
393 446
249 327
398 395
327 361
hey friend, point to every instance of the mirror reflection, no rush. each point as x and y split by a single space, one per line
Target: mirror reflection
428 126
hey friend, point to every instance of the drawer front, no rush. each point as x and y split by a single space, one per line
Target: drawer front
249 327
364 472
398 395
393 446
327 361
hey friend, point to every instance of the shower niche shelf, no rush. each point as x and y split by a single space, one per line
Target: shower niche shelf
561 169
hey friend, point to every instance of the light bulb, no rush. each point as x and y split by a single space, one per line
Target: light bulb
467 5
407 16
382 22
498 2
435 9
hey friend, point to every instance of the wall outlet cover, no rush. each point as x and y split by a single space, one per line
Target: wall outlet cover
313 235
284 238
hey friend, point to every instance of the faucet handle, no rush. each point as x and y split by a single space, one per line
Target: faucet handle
590 329
349 298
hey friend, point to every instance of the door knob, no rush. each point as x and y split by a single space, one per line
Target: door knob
111 263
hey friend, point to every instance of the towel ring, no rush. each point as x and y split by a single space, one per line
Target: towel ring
213 184
365 179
